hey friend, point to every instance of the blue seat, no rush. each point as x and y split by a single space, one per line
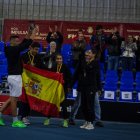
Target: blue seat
127 74
2 46
65 49
3 70
3 61
137 76
102 76
2 55
111 73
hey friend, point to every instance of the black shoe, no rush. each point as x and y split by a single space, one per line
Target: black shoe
99 124
72 122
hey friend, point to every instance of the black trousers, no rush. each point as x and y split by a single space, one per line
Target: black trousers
24 109
87 104
64 109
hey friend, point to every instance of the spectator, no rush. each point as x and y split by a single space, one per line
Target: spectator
114 51
55 36
48 60
99 42
78 48
129 47
138 55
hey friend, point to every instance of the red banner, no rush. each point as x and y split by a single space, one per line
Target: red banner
67 28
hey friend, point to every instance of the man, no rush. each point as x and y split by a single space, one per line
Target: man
99 42
31 57
14 74
78 48
114 51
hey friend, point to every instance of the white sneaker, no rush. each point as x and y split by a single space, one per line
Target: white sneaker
25 121
89 126
84 125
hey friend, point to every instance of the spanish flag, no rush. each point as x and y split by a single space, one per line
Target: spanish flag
44 90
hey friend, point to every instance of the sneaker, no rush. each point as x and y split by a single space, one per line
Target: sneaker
72 122
25 121
19 124
84 125
65 123
2 122
99 124
47 121
89 126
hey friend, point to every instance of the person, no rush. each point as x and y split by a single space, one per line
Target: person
129 48
12 53
99 42
60 67
87 74
78 48
48 60
114 51
138 54
30 57
77 104
55 36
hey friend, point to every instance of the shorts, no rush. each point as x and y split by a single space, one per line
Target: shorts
15 85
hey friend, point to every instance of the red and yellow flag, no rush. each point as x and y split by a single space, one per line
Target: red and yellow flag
44 90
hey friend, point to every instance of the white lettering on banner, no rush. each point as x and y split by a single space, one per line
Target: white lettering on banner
74 93
19 32
126 95
109 95
139 96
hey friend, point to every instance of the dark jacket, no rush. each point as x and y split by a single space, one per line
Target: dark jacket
27 57
13 57
114 46
58 40
88 76
44 61
78 49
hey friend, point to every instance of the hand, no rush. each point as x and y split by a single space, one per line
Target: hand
34 32
56 28
50 29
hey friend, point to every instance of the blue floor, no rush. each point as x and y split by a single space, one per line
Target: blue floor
36 131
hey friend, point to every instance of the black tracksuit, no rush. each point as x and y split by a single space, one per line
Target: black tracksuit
88 76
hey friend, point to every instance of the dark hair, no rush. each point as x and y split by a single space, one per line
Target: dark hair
94 51
35 45
13 37
59 54
98 27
